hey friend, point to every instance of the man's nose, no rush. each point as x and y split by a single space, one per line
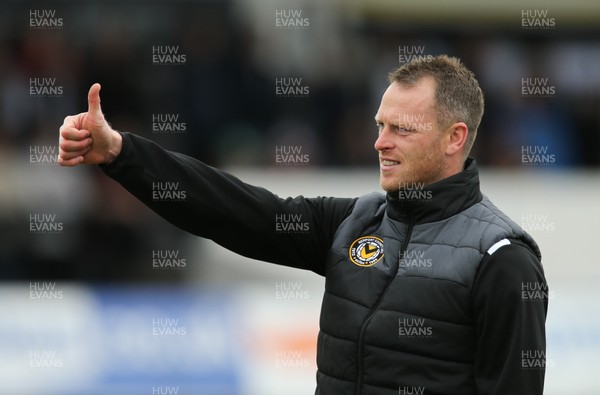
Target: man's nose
384 141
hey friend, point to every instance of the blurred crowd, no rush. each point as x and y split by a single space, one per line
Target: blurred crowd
224 93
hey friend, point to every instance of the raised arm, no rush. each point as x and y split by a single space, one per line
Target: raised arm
205 201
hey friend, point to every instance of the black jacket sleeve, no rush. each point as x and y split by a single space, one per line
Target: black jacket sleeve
510 299
210 203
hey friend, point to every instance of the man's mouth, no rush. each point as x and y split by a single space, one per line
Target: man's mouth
386 164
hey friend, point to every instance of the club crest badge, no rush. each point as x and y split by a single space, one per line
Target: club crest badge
366 251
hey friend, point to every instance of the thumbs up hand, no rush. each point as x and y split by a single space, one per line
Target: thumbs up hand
87 138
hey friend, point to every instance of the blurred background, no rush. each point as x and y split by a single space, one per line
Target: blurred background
87 305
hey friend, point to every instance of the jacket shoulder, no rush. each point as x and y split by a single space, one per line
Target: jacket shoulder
499 227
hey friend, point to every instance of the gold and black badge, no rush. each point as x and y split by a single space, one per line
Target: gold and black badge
366 251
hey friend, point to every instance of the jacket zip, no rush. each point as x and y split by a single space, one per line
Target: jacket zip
359 381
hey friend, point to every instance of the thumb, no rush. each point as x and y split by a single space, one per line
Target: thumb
94 100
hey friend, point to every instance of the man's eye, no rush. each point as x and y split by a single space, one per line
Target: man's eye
405 129
396 129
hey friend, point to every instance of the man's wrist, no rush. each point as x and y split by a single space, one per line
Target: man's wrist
114 147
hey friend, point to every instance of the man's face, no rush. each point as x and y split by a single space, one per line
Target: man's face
410 145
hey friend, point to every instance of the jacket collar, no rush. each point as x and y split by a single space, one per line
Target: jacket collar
436 201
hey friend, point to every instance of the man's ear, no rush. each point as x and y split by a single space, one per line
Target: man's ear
456 138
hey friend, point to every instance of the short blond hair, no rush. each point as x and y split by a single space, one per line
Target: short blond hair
458 97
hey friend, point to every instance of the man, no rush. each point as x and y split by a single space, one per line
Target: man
423 285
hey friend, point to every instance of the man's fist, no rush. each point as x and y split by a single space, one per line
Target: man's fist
87 138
